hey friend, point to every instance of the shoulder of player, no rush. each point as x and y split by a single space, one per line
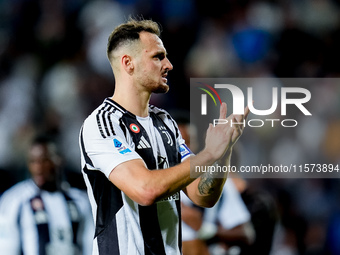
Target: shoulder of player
104 120
107 108
22 189
80 198
18 194
163 114
166 117
76 194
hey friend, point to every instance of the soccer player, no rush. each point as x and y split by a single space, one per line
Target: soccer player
134 159
38 216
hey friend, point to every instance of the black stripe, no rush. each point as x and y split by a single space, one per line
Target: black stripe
174 124
178 206
112 110
43 229
173 156
74 223
105 120
123 127
171 119
20 230
98 117
115 105
109 201
148 216
153 241
104 115
86 157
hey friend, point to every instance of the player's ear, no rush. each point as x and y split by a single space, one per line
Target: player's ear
127 63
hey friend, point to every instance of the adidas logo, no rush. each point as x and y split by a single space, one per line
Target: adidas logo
143 143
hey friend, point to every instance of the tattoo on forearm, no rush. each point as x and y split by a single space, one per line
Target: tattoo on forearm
206 184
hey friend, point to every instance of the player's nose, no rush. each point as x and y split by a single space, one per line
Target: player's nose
167 64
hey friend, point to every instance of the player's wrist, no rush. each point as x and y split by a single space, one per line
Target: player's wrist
208 156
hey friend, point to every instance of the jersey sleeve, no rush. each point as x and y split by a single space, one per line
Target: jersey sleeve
104 154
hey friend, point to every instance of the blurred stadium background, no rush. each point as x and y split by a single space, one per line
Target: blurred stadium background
54 72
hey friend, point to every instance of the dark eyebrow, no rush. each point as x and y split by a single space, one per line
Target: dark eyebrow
164 53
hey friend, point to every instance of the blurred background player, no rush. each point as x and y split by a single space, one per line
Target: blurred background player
262 208
42 215
227 227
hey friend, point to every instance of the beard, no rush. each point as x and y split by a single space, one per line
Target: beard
153 86
161 89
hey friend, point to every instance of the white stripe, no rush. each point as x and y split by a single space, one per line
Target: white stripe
145 142
168 216
130 237
112 103
91 197
141 142
95 250
105 117
107 126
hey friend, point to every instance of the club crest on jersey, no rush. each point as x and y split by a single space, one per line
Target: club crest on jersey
168 138
134 128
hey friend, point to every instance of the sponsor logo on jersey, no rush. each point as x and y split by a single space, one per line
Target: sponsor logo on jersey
123 150
143 143
162 162
171 198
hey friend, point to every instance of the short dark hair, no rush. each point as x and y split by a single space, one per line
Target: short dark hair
46 140
42 139
129 31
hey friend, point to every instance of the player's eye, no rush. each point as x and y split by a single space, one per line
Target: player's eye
160 56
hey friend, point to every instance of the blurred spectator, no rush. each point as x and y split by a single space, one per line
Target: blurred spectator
17 94
227 226
42 215
262 208
97 19
192 219
290 233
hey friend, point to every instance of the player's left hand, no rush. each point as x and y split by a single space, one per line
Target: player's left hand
222 137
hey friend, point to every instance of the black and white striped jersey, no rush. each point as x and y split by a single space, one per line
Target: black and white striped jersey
111 136
38 222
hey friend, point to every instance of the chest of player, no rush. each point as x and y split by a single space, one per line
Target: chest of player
154 141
